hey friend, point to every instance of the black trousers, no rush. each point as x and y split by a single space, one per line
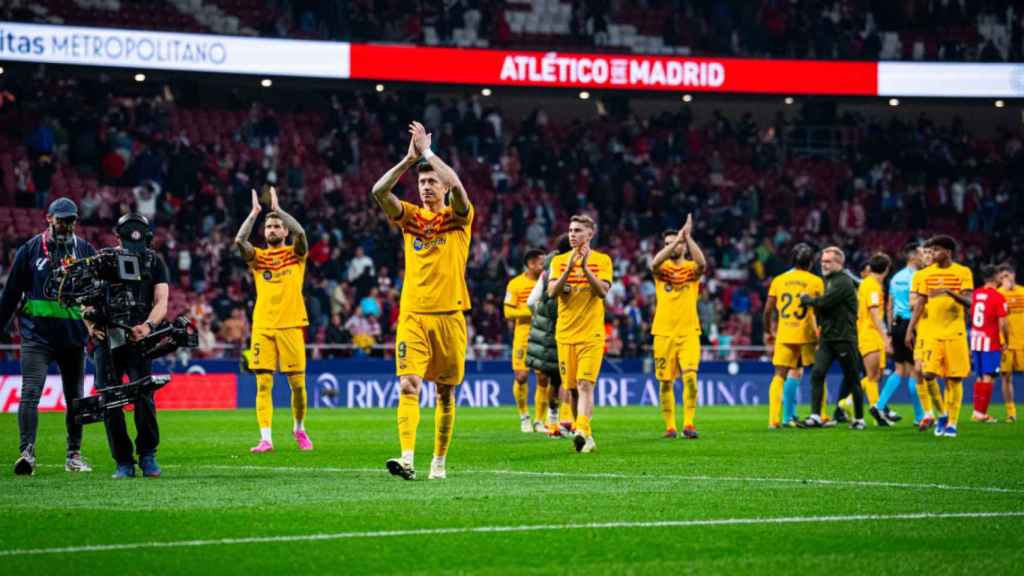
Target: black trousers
849 362
35 361
147 431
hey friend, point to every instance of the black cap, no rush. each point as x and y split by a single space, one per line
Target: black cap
63 208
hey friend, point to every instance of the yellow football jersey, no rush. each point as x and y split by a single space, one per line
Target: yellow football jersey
869 296
676 287
946 318
436 249
516 295
1015 304
580 311
278 274
797 324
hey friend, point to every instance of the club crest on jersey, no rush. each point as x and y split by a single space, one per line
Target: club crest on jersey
267 274
669 288
417 244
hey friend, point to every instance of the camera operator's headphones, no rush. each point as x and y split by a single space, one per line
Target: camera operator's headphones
134 228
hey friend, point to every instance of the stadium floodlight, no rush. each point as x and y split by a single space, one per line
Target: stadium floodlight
584 95
1000 103
894 101
380 87
687 98
266 82
140 77
486 91
788 100
1 69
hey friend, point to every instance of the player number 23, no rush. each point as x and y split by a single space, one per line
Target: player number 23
787 301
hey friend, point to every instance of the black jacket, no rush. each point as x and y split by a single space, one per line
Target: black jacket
542 350
836 309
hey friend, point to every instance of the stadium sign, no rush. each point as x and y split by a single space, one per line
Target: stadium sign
140 49
144 49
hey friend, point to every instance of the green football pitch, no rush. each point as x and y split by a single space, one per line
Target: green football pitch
741 499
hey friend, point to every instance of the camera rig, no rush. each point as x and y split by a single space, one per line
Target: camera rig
101 285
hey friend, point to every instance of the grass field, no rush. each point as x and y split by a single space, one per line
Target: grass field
740 500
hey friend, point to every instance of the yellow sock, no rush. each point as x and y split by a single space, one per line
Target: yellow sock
870 388
1011 410
954 399
775 400
936 395
583 425
924 395
689 398
565 411
408 420
667 397
264 401
444 424
540 403
297 382
521 392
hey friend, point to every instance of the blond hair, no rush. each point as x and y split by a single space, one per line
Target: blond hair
585 220
837 251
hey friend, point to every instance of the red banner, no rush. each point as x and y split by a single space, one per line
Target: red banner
184 392
611 71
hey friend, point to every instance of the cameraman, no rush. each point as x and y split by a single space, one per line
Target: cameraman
49 331
150 297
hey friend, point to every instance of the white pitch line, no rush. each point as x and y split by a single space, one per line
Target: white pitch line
505 529
656 477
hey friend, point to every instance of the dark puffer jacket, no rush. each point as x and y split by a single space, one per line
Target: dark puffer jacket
542 350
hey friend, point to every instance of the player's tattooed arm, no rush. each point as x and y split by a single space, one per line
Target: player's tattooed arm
695 252
293 226
242 238
383 189
768 319
421 142
917 301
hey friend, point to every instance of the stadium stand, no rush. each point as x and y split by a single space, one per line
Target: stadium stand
754 190
849 29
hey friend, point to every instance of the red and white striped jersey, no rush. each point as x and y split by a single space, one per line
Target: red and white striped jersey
987 307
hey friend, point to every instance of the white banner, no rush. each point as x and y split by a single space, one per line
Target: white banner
942 80
141 49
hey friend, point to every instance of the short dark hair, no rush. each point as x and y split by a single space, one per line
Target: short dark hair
424 166
911 246
802 256
562 244
669 232
1006 267
272 215
989 272
531 254
942 241
879 262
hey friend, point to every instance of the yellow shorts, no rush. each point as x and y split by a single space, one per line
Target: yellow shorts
794 355
281 350
920 347
948 358
1013 361
432 346
674 355
580 361
520 339
872 343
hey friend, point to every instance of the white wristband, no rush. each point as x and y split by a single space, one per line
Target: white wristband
428 154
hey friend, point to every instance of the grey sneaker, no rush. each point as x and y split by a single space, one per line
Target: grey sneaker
75 463
26 464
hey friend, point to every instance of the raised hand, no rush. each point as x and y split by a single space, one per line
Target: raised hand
412 153
274 204
687 229
420 138
255 202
